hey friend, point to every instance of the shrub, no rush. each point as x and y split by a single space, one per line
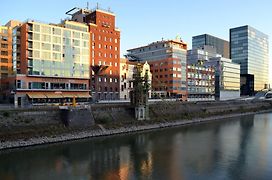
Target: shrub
6 114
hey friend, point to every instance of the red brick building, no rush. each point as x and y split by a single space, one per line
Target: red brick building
105 51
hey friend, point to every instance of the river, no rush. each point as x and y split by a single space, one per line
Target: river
237 148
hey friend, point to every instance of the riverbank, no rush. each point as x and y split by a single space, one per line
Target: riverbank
89 133
43 125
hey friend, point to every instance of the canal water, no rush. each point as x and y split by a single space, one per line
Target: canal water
238 148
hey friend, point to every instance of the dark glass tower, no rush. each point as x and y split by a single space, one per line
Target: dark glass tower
249 48
221 46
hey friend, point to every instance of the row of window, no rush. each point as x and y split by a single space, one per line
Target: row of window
58 31
106 39
105 63
4 45
52 85
106 89
105 46
115 80
4 53
4 60
170 75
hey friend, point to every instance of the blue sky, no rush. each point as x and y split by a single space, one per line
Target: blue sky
144 21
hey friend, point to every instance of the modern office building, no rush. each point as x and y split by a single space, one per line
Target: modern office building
227 78
127 69
227 73
221 46
105 51
249 48
203 54
51 62
167 59
201 82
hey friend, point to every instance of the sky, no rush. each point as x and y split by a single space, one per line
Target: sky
145 21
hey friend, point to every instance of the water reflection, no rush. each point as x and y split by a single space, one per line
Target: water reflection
239 148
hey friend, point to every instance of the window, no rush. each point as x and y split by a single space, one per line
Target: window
76 35
56 31
46 29
56 39
19 84
46 38
4 60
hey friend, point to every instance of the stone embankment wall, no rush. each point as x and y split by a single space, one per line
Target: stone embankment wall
168 111
177 110
49 121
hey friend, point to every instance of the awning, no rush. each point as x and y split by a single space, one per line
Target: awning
69 94
57 95
83 95
53 95
35 95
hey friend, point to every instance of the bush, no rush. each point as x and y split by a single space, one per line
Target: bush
103 120
6 114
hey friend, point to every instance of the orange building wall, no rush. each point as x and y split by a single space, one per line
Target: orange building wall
5 63
23 50
161 76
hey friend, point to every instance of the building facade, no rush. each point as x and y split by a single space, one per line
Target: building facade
167 59
249 48
105 51
127 69
7 76
201 82
227 78
227 73
51 62
221 46
5 59
202 54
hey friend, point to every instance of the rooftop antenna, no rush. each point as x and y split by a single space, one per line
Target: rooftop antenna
87 5
97 5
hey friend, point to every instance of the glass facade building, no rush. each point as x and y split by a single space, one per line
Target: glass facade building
221 46
249 48
51 63
227 78
58 51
